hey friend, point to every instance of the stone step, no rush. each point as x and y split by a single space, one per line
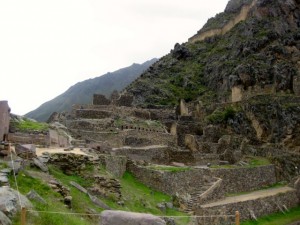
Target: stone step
254 204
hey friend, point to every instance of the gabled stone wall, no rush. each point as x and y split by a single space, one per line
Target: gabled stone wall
100 100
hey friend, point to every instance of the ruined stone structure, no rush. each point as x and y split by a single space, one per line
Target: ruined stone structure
239 94
151 143
100 100
241 16
4 120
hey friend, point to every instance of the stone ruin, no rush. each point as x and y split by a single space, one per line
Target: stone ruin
115 99
128 138
4 120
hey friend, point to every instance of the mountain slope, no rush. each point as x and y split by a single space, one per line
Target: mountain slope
261 50
82 92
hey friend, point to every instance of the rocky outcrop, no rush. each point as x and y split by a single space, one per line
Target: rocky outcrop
106 187
10 204
27 151
129 218
4 220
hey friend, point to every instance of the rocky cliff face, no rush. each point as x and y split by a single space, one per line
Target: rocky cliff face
260 51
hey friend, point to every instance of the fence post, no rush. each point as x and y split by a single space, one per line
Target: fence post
237 218
23 216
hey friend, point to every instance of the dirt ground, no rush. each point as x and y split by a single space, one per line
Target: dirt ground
40 151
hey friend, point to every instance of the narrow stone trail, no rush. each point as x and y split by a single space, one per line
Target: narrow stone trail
250 196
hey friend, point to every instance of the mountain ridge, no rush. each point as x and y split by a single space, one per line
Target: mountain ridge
82 92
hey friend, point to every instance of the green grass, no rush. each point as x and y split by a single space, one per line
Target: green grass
140 198
173 169
136 197
221 115
27 125
277 218
27 183
251 160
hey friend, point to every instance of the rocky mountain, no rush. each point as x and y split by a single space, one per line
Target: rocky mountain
238 76
82 92
250 48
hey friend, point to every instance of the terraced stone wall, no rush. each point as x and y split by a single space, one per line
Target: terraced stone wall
246 179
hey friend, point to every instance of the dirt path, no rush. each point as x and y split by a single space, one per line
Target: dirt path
40 151
251 196
143 147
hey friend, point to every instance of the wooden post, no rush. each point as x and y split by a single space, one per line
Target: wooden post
23 216
237 218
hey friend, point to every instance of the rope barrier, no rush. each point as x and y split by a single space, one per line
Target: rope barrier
90 214
64 213
98 214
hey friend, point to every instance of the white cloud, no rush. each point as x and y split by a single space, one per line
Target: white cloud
47 46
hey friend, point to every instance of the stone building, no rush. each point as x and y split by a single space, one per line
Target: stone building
4 120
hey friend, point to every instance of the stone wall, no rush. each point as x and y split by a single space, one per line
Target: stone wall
90 124
4 119
238 93
93 114
233 180
100 100
241 16
124 100
58 140
162 114
155 154
118 138
183 182
245 179
23 138
116 165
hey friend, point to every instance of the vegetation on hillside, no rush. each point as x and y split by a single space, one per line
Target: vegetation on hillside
136 197
254 52
289 217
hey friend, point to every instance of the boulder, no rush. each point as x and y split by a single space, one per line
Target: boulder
9 201
79 187
39 164
4 220
110 217
98 202
25 151
33 195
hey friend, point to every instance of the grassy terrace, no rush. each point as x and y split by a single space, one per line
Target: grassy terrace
250 160
166 168
136 197
27 125
277 218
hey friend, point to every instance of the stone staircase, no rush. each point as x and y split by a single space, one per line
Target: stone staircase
199 196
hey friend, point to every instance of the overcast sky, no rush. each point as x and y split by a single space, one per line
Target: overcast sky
46 46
